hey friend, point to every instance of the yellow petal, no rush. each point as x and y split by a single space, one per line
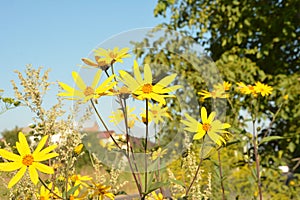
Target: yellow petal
96 79
128 80
158 98
198 136
44 151
160 90
147 74
23 145
107 82
203 115
9 156
66 87
137 73
33 174
10 166
43 168
216 138
43 157
89 62
167 80
211 117
40 145
78 80
101 52
225 125
76 94
17 177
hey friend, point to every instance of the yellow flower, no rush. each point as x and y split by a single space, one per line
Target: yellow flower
213 94
118 116
210 126
158 153
219 91
78 149
27 160
73 196
156 113
123 91
101 64
263 89
145 89
223 87
112 56
44 192
247 89
78 179
87 92
102 191
107 144
155 196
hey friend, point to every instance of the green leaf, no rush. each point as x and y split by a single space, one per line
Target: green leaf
291 147
270 138
178 182
224 42
239 38
155 186
73 189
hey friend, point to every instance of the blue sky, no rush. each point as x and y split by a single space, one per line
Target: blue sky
57 34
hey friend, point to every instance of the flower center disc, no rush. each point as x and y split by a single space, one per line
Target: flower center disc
206 127
27 160
112 55
147 88
88 91
154 112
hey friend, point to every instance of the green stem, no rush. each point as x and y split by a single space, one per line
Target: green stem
115 142
129 148
219 156
256 160
221 174
127 138
103 123
146 144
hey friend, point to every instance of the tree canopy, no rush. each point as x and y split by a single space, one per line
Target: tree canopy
249 41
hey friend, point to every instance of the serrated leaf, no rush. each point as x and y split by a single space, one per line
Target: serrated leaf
270 138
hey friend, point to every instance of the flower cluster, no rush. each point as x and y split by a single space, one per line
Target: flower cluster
157 96
255 90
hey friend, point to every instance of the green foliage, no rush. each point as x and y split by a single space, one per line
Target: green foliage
10 136
8 103
249 41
